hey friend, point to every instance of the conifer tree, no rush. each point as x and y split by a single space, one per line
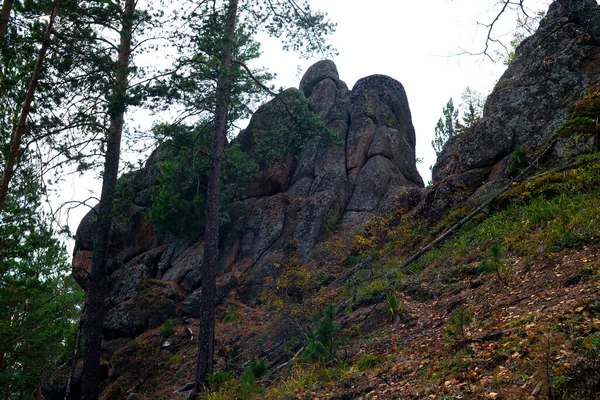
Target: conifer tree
39 301
446 127
301 29
96 291
19 130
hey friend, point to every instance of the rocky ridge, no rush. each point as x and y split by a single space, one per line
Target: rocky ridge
154 277
552 69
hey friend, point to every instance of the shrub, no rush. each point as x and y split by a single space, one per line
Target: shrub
331 220
218 379
175 359
394 306
257 368
367 361
517 160
324 342
166 329
455 327
494 264
230 316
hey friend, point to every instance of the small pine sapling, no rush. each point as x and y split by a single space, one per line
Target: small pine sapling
494 264
324 342
458 321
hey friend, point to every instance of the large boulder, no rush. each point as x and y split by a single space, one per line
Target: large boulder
317 73
381 116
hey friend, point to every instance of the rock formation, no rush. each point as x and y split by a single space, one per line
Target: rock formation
156 276
552 69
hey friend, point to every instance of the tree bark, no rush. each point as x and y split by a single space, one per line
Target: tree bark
6 9
96 294
74 356
206 331
17 137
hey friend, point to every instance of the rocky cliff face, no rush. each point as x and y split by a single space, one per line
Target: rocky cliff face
552 69
154 277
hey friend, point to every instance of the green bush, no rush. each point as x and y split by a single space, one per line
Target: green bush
368 361
517 161
331 220
230 316
219 379
395 308
257 368
166 329
494 264
324 341
457 322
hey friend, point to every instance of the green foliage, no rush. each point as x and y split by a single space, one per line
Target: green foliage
331 220
494 264
368 361
175 359
578 126
324 341
373 291
39 301
219 379
230 316
178 199
286 126
591 346
257 368
395 308
446 127
517 160
291 287
226 384
472 102
450 125
548 213
457 322
166 329
583 121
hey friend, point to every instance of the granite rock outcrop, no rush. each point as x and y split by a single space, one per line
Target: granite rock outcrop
285 209
552 69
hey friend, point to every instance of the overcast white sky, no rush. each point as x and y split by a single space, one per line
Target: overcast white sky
415 42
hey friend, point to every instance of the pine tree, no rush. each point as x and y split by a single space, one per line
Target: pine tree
97 287
472 102
39 301
301 29
446 127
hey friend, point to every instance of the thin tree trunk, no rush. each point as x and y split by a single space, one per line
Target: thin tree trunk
17 137
74 357
96 294
206 330
6 9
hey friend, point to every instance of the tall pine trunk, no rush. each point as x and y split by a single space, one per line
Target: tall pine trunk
17 136
6 9
97 281
206 331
